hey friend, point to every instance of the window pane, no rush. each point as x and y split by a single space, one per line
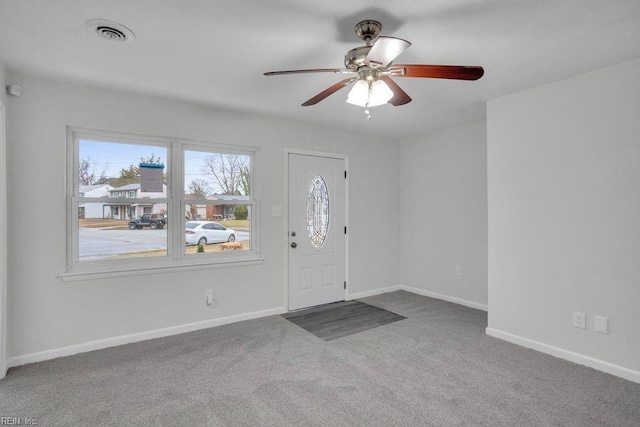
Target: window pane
115 169
223 175
105 233
317 211
119 228
218 235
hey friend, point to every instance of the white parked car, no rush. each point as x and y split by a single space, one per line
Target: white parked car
204 232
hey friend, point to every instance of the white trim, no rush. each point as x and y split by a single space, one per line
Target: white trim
3 243
371 293
173 330
455 300
343 157
417 291
315 154
137 337
610 368
581 359
105 274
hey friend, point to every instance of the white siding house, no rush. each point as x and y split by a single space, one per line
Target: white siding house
124 210
93 210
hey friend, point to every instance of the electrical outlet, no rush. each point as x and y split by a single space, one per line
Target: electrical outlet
209 294
458 270
579 320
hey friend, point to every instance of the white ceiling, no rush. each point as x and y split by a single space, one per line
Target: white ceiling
214 52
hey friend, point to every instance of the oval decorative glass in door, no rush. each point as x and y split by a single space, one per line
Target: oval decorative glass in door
317 211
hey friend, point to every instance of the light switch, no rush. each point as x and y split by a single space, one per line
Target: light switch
276 211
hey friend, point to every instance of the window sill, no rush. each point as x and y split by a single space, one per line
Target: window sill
185 266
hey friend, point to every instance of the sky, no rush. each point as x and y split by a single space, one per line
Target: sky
111 157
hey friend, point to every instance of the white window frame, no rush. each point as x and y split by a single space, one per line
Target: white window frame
176 258
252 152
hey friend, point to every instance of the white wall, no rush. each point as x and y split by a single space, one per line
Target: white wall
564 216
443 183
46 313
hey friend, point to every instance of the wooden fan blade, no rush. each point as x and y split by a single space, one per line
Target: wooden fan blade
456 72
314 70
322 95
400 97
386 49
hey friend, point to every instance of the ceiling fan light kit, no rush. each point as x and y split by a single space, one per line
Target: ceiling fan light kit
369 93
373 67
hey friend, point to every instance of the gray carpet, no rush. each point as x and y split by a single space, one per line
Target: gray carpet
437 367
341 319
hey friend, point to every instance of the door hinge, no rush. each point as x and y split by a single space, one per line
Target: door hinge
345 230
345 284
345 174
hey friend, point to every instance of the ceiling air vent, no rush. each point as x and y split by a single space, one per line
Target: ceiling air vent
110 30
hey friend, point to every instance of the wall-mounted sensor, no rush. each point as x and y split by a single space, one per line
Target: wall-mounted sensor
14 90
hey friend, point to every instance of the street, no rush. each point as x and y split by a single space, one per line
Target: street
97 243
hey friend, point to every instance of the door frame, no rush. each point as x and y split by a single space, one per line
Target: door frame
312 153
3 242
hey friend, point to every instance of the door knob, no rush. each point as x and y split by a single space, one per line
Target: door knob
294 245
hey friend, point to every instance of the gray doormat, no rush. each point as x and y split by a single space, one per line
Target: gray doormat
341 319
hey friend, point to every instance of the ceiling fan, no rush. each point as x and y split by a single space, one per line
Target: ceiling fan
373 67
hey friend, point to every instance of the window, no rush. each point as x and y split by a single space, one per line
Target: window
174 182
218 190
317 211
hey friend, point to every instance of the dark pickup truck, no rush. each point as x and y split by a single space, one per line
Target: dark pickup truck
153 221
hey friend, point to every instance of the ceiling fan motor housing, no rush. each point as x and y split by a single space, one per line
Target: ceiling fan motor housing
355 57
367 30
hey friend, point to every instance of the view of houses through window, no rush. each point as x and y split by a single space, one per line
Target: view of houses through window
217 200
124 203
111 199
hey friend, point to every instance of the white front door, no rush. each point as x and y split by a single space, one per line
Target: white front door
316 230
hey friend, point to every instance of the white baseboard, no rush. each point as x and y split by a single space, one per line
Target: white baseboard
141 336
591 362
467 303
174 330
372 293
417 291
581 359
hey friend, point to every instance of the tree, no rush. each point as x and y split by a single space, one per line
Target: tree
103 180
199 188
153 159
227 171
131 174
87 175
240 212
245 179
